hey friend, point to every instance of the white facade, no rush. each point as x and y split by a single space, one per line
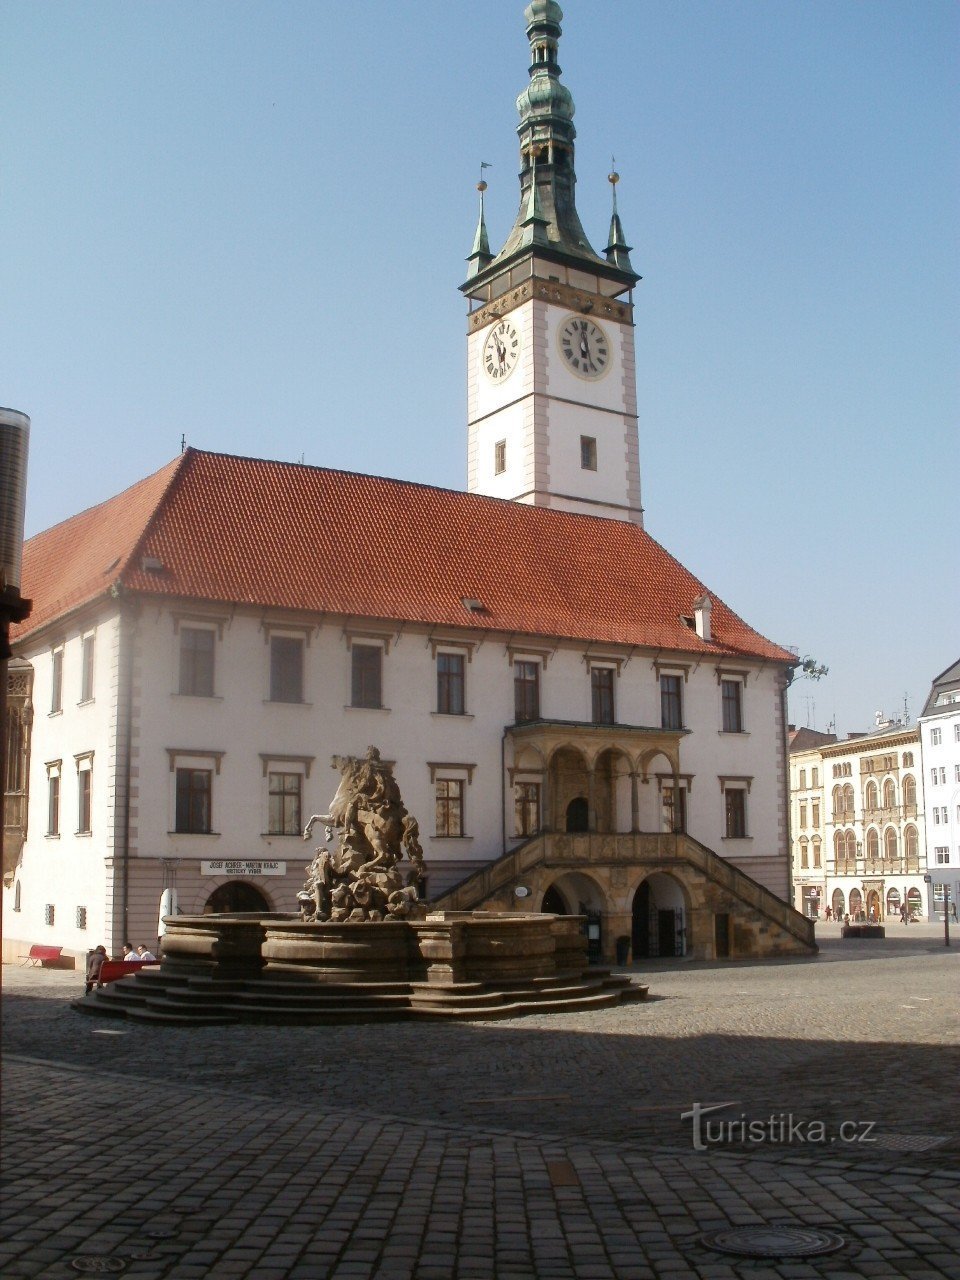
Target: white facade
241 739
940 749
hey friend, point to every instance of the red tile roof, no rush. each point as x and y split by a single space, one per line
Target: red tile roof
273 534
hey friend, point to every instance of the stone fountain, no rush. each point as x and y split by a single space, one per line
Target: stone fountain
363 945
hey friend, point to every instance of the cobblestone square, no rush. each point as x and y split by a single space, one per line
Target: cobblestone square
545 1146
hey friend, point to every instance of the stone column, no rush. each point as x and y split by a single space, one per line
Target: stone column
634 803
591 800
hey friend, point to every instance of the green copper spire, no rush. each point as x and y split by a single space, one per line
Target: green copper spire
547 219
618 251
480 255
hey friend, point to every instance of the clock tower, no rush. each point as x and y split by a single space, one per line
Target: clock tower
552 401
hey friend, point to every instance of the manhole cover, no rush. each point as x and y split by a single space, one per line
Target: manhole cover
774 1242
90 1262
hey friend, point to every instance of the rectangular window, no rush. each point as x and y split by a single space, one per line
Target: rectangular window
935 737
286 669
802 784
81 917
946 818
527 808
956 733
500 457
56 686
53 804
943 775
735 807
449 806
732 691
588 453
942 854
450 680
675 809
49 913
84 792
86 676
194 788
803 814
601 687
815 779
526 691
284 791
366 677
196 661
933 777
815 815
956 773
671 704
936 815
816 853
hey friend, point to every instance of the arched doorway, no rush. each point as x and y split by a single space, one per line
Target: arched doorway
893 903
659 918
874 907
577 894
553 903
914 904
837 903
578 815
235 896
856 905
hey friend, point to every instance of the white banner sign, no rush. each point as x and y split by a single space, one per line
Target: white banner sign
243 868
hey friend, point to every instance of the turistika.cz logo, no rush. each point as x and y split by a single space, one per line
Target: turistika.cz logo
780 1129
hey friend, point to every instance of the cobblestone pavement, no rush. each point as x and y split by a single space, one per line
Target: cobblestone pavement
545 1146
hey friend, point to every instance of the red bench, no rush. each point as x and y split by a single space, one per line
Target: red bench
111 970
40 954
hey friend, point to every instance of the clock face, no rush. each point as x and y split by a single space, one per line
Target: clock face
501 350
584 346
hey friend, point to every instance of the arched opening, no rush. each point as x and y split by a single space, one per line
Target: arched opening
856 904
553 902
612 791
914 904
837 903
874 907
893 902
576 894
659 918
578 815
235 896
569 780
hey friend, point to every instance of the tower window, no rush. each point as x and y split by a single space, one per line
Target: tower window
500 457
588 453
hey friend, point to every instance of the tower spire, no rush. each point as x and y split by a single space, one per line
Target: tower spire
617 251
480 255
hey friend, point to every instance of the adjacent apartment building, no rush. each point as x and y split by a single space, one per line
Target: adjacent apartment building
940 750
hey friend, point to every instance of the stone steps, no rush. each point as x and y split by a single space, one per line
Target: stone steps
179 999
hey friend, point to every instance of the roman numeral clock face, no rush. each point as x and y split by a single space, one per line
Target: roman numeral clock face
584 346
501 350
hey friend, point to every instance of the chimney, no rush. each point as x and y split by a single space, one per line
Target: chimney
701 616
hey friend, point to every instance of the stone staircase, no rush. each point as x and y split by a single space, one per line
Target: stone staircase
165 996
758 911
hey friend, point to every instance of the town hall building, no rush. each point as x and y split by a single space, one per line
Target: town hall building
578 722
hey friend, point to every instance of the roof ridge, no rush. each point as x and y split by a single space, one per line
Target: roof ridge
179 466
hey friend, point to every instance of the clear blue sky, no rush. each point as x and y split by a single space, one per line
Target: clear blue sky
246 222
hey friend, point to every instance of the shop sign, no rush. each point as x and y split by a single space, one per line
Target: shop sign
221 867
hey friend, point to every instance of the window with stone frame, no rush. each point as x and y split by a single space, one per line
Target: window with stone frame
451 700
588 453
366 675
197 648
53 797
526 690
500 457
286 668
527 808
449 806
602 680
671 701
735 812
732 699
87 660
284 791
56 681
194 801
84 798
